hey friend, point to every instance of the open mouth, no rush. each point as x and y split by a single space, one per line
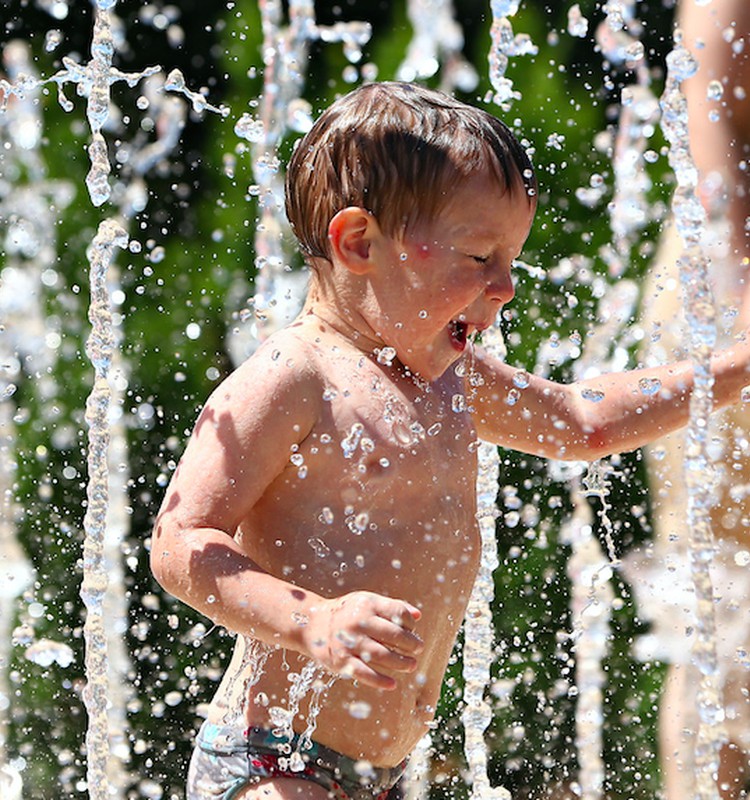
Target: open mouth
459 332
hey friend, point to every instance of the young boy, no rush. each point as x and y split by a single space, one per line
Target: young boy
325 504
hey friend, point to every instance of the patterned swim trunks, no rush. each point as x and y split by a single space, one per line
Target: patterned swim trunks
226 760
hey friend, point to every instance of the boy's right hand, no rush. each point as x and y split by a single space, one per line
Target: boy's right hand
365 637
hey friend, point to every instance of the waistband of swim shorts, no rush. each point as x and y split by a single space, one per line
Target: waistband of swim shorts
230 740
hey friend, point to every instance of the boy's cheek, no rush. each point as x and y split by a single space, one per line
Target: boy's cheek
424 251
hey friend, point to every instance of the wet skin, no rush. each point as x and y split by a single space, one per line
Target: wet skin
325 503
396 518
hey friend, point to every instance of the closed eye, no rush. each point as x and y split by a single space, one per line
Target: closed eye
480 259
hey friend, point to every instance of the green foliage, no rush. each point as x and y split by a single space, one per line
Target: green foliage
201 214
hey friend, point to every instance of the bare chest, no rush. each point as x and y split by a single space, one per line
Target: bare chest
383 487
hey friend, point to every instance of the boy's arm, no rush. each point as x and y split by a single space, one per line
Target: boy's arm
596 417
241 442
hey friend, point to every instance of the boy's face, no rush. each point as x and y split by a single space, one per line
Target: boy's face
447 278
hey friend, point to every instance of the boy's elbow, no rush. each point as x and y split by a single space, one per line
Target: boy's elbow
590 435
586 442
156 562
160 560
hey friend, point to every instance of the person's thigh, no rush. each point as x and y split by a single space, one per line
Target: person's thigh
284 789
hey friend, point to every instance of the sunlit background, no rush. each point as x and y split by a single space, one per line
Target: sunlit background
181 301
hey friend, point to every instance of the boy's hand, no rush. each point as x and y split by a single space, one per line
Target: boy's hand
365 637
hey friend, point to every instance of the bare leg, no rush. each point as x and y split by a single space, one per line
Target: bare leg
678 727
733 772
284 789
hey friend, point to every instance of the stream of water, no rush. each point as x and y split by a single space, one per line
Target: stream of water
436 47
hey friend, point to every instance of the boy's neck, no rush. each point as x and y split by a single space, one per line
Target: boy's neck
356 334
369 344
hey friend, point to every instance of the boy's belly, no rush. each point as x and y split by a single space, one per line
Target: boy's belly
362 723
381 727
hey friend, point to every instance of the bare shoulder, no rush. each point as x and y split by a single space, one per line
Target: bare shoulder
282 378
244 434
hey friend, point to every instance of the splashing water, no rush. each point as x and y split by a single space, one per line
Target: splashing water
437 37
311 676
27 348
630 208
282 109
478 647
588 567
417 775
321 683
99 349
478 630
254 657
591 601
504 46
690 219
267 167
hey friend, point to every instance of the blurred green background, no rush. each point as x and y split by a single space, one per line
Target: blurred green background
204 220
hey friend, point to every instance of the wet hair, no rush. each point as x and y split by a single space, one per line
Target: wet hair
397 150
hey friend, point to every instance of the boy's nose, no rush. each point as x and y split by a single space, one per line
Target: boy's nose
500 287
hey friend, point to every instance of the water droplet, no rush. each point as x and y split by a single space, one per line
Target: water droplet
320 548
458 403
742 558
417 429
594 395
300 619
359 709
386 355
350 443
360 522
52 39
578 25
635 51
45 652
157 255
296 762
521 379
714 90
513 397
511 519
173 699
423 314
434 429
249 128
649 386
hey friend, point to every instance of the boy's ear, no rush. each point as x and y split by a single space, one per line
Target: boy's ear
350 235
